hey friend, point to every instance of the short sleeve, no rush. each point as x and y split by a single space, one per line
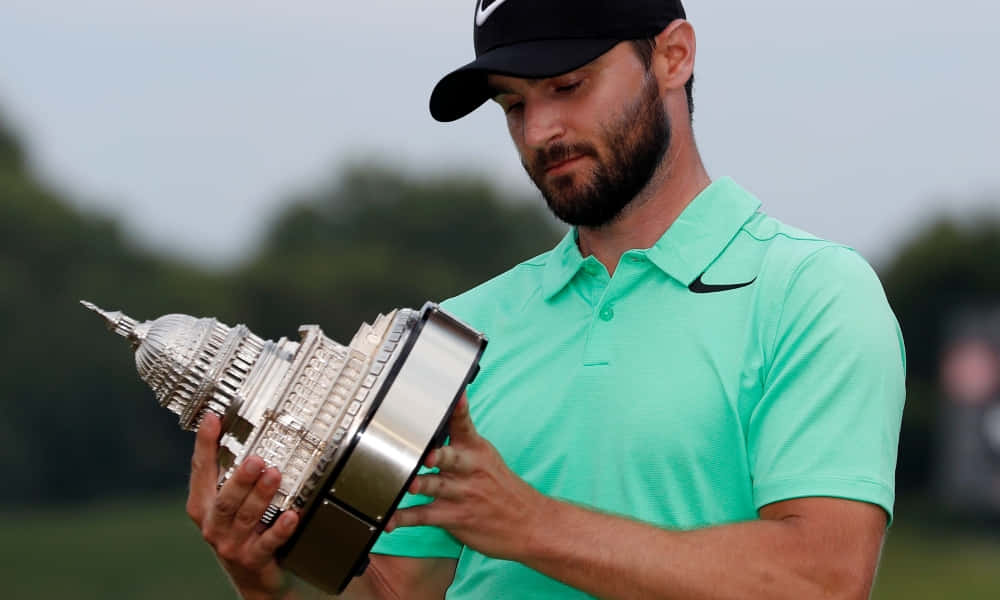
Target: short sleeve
827 423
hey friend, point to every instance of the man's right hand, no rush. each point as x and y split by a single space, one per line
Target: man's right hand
229 518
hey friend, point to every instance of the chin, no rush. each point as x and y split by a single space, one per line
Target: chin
566 196
570 185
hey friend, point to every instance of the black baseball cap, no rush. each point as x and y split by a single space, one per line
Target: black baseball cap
544 38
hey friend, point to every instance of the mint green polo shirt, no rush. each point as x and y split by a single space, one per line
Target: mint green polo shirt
736 363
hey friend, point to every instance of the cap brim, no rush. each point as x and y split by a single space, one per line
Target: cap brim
465 89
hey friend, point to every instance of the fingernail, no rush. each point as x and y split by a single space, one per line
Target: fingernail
271 477
253 465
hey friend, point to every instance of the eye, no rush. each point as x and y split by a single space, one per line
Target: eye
511 107
568 87
507 102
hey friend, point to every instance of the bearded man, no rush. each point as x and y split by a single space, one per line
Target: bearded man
684 399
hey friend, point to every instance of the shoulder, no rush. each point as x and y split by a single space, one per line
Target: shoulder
506 293
810 285
789 259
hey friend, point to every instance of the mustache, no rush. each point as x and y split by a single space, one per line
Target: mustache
557 153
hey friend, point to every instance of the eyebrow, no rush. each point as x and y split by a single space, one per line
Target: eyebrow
498 89
532 81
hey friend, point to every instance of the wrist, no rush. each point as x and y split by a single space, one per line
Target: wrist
284 591
276 586
535 538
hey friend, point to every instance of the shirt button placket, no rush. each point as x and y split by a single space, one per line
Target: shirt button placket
597 349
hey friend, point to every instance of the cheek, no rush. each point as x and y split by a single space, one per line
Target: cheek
516 131
515 127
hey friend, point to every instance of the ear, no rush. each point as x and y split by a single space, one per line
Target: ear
673 57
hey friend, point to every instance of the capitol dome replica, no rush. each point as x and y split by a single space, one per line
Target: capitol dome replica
348 426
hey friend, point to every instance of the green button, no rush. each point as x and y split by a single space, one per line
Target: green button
607 314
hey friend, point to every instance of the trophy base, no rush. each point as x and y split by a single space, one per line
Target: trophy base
406 420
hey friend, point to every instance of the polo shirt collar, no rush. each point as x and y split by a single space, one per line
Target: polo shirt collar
696 238
564 263
703 230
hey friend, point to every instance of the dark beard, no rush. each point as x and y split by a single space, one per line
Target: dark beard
636 143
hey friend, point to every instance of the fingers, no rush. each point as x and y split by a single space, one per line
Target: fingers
461 426
204 468
231 497
409 517
229 517
232 526
464 436
460 461
252 509
438 487
273 538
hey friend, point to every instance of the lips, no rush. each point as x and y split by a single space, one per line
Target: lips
563 163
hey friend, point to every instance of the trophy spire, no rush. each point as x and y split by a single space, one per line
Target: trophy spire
119 322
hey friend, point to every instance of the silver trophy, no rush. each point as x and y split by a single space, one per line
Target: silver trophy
347 426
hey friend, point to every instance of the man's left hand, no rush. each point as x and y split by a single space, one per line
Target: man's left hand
477 498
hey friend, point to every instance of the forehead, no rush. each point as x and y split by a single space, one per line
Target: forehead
609 60
505 83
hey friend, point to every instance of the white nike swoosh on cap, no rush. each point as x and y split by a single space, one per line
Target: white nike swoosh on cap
482 15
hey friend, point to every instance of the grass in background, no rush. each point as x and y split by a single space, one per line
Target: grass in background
925 557
153 552
140 551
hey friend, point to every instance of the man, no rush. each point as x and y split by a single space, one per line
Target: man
684 399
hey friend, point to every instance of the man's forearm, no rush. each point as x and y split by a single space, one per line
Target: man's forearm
814 547
368 586
612 557
364 587
373 584
402 578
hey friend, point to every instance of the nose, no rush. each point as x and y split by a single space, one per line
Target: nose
542 124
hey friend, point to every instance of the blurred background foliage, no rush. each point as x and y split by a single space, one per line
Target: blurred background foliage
79 429
80 426
951 265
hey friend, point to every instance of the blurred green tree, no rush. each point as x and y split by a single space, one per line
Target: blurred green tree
376 239
78 424
948 265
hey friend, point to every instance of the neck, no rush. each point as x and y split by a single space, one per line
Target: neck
678 179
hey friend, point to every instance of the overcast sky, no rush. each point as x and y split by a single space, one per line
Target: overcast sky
193 120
